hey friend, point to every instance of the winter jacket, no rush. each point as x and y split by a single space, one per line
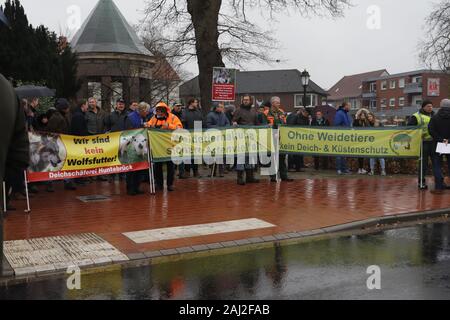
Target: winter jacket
172 121
413 120
116 121
96 121
217 120
342 118
14 143
246 116
322 123
190 117
78 124
58 123
439 126
134 121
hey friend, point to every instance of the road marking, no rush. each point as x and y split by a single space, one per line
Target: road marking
54 253
155 235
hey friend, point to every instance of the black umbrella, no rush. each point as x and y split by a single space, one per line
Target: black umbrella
4 19
33 91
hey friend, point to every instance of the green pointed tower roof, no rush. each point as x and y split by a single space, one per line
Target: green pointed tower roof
106 30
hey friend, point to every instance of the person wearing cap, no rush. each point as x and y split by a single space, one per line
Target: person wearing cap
117 120
164 120
59 123
439 130
422 119
178 110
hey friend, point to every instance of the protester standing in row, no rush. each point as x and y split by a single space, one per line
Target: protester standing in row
135 120
320 121
192 115
422 119
439 130
59 123
164 120
343 119
95 118
246 116
217 119
375 123
276 118
117 120
78 125
299 118
361 121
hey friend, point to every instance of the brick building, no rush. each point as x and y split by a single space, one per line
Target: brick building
350 89
405 90
263 85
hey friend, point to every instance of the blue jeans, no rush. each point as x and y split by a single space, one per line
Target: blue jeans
374 161
437 170
341 164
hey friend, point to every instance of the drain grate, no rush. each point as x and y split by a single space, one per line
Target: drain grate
94 198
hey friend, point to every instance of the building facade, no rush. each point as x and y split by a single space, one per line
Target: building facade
350 89
405 90
263 85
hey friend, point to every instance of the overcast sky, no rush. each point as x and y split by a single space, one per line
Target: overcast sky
328 49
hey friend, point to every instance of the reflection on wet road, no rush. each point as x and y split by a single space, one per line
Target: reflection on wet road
414 262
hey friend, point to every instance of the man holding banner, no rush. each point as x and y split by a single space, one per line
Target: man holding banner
343 119
164 120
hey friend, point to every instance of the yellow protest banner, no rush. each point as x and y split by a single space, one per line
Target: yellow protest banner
370 143
185 144
57 157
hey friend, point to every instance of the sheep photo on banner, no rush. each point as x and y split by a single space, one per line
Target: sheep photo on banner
58 157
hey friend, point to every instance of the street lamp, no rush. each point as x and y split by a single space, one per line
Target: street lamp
305 82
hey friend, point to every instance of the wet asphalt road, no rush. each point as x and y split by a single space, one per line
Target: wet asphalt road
414 264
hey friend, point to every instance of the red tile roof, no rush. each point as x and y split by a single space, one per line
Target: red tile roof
351 86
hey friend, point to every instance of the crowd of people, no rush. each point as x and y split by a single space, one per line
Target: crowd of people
87 118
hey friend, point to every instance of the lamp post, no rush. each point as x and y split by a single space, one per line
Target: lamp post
305 82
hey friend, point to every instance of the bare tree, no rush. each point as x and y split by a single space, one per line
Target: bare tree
214 31
435 50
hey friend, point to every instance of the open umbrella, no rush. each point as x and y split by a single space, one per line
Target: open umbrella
4 19
34 91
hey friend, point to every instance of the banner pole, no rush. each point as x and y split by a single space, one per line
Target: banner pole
421 166
4 197
150 170
28 210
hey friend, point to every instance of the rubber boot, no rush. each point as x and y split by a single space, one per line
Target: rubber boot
240 179
251 177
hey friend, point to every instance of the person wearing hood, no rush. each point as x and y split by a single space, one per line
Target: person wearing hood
361 121
343 119
422 119
439 130
192 115
246 116
164 120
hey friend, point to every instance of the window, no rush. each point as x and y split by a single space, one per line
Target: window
373 87
392 102
383 85
383 103
417 79
373 104
401 83
393 84
311 100
401 101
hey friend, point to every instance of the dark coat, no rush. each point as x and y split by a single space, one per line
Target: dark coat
323 123
96 121
116 121
439 126
189 117
297 119
58 123
246 116
78 125
14 143
217 120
